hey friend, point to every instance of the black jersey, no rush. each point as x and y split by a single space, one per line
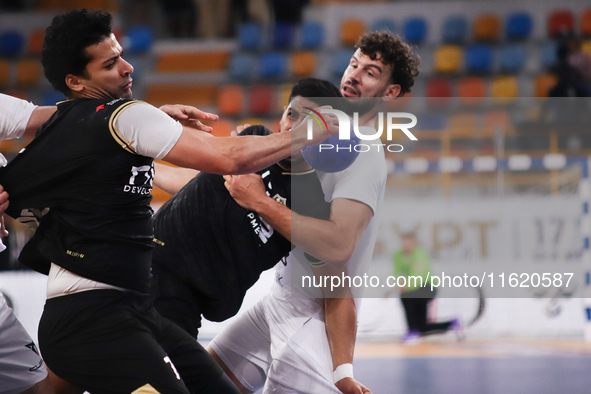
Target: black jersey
219 249
99 223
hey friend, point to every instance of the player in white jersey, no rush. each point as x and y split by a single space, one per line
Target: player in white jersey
305 345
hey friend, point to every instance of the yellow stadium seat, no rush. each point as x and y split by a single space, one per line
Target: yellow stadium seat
351 30
448 59
27 72
504 89
543 83
586 47
303 63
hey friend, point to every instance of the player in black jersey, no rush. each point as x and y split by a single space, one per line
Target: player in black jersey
211 250
87 180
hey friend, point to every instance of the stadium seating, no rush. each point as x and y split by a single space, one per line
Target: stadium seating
448 59
12 43
260 99
303 63
415 30
512 58
242 66
282 35
471 90
455 29
487 27
340 61
230 100
518 26
312 35
560 22
250 36
273 65
28 72
351 30
479 59
543 83
504 89
139 39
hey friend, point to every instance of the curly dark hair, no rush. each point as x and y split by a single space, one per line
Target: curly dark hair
393 51
65 43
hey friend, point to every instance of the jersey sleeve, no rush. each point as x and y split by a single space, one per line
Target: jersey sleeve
149 131
14 116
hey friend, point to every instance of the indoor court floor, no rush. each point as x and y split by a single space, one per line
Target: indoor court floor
490 366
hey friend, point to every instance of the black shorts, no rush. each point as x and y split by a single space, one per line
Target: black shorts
176 301
108 341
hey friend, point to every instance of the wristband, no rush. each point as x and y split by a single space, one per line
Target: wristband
342 371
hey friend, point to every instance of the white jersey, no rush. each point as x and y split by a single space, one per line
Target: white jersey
364 181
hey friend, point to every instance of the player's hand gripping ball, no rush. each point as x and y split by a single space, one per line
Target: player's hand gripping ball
332 154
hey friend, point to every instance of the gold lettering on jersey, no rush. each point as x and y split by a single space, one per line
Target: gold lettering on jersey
75 254
279 199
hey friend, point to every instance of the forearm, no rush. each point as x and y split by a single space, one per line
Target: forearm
341 329
314 236
172 179
228 155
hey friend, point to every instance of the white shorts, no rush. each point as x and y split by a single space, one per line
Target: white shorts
283 341
21 366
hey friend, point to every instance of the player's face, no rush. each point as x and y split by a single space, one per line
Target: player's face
292 115
107 74
365 77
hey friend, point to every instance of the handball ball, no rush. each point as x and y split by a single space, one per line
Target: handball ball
332 154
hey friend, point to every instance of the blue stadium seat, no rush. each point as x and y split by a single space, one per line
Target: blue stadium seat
312 35
282 35
548 54
512 58
518 26
479 59
139 39
455 29
273 65
340 61
242 66
12 43
415 30
51 97
383 24
250 36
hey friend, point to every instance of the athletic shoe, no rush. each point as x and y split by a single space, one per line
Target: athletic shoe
458 328
410 338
